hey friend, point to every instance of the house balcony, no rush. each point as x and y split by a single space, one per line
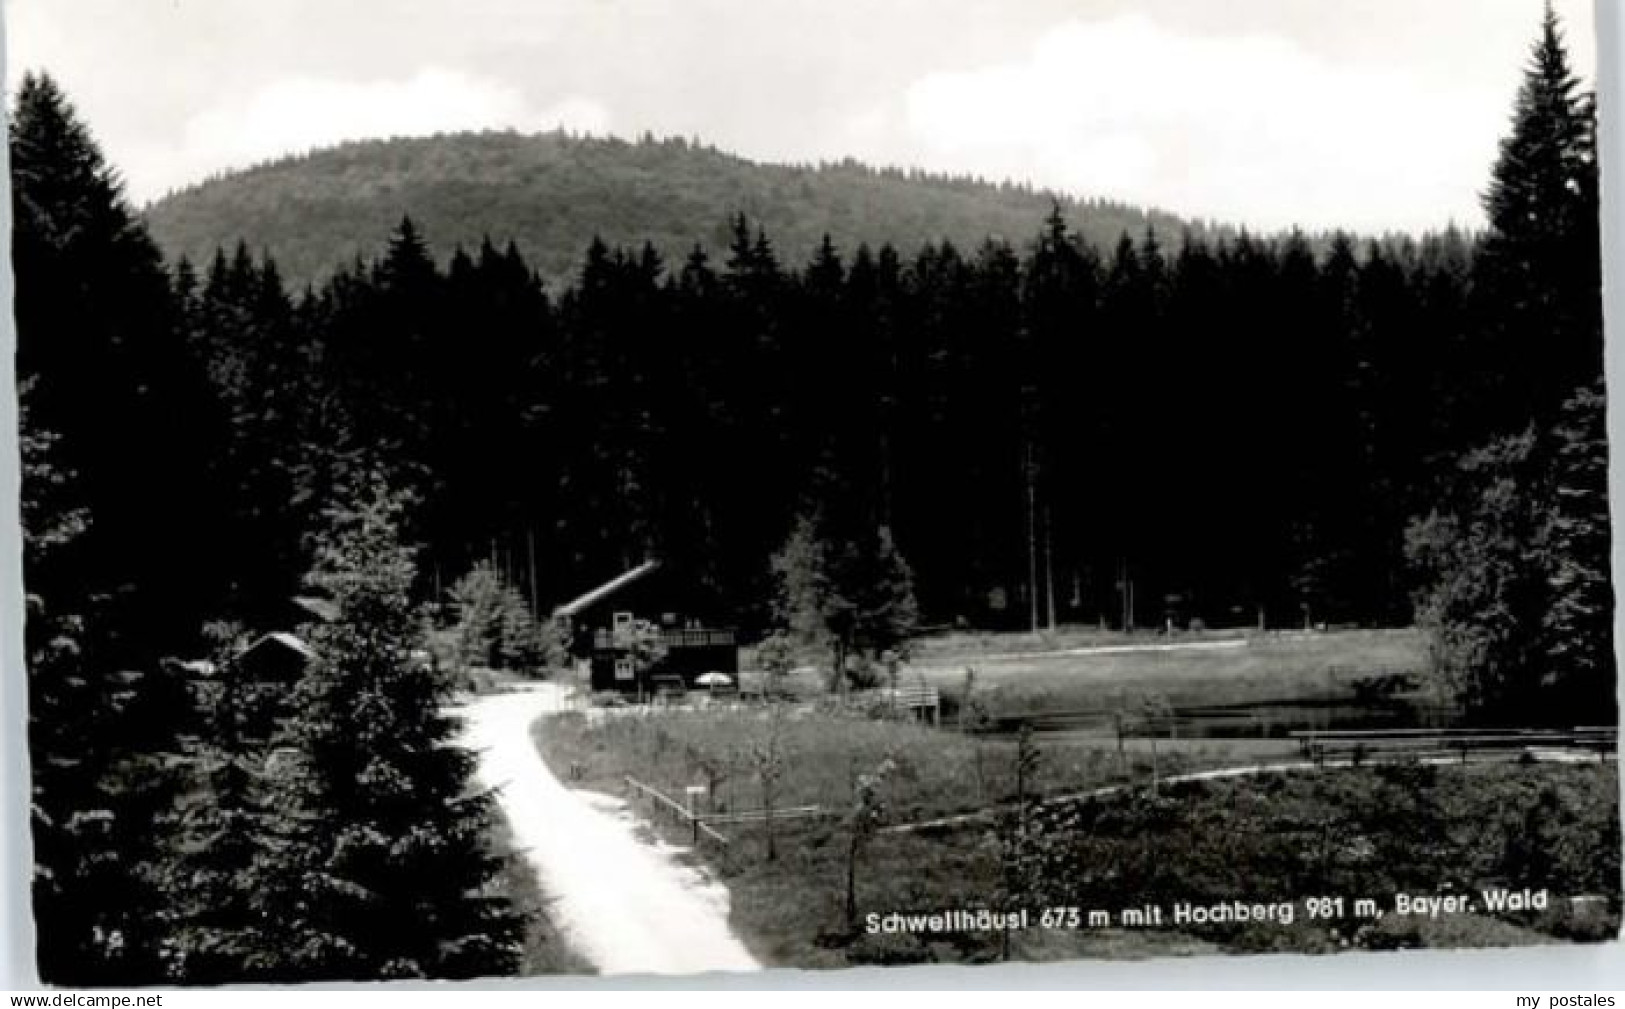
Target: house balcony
672 637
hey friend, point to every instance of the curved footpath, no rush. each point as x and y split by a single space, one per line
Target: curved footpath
625 904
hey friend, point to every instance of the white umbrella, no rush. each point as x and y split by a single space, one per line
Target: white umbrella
714 680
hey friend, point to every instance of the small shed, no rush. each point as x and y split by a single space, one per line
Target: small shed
267 672
277 659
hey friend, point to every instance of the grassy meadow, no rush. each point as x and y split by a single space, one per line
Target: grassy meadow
789 909
1365 831
1028 674
937 773
1085 668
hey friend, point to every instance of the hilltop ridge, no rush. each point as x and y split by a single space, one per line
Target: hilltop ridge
550 193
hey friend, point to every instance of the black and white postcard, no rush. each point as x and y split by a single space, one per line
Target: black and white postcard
620 487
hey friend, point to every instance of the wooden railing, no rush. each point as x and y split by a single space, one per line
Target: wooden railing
1318 745
700 823
697 638
762 815
682 813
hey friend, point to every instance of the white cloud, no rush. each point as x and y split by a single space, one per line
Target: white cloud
301 113
1369 114
1252 129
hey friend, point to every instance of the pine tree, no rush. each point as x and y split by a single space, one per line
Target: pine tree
384 873
214 932
114 381
1579 622
118 543
69 809
1540 280
845 588
494 628
1514 571
241 325
1482 560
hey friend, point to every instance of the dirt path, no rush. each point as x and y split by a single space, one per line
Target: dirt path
627 906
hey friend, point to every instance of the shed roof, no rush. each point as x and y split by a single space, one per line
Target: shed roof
276 641
605 590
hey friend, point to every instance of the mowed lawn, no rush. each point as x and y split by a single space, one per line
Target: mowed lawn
1024 673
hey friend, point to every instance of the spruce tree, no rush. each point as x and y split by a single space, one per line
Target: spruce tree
82 936
1578 629
843 585
114 380
384 872
214 931
119 543
1481 558
1540 273
1514 570
494 628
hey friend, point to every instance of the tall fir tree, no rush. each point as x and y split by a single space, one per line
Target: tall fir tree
115 380
383 872
214 932
87 894
1578 627
1483 559
1514 575
1540 268
843 585
123 541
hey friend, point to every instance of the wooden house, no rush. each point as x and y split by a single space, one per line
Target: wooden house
654 601
260 677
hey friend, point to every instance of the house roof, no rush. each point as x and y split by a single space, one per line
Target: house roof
605 590
278 640
322 609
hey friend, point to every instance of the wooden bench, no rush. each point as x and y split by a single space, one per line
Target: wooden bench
923 699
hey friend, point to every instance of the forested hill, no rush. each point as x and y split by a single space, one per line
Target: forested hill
551 193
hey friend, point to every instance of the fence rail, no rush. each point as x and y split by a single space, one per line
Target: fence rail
701 823
681 812
1320 744
762 815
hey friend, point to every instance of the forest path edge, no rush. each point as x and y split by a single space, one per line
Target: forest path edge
625 904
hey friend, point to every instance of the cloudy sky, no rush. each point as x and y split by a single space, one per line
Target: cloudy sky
1373 114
